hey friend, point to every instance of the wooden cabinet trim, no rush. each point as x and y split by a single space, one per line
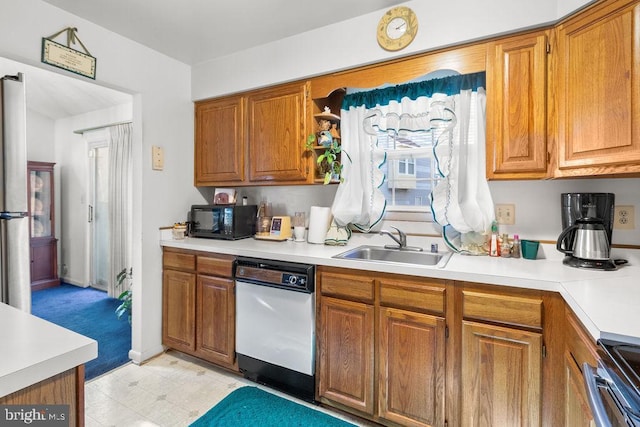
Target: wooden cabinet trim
347 286
178 259
218 265
427 295
506 309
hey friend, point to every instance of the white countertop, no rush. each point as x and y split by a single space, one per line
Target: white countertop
33 349
607 302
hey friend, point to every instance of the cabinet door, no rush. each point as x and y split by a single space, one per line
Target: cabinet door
346 353
216 319
219 141
516 107
598 78
501 376
44 263
178 310
411 368
577 411
277 127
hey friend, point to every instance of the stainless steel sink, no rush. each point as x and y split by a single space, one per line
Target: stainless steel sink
396 256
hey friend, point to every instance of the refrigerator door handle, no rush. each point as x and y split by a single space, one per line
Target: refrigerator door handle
13 215
90 217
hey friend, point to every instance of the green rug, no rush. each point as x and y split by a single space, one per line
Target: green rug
250 406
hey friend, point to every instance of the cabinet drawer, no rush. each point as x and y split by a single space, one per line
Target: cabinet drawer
425 295
347 286
178 260
511 310
218 265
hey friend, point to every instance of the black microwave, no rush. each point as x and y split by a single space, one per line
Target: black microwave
228 222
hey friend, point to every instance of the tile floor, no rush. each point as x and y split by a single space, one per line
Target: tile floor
172 389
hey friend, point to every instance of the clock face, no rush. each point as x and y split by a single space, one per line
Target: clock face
397 28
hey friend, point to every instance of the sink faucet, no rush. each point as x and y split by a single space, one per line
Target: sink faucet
401 240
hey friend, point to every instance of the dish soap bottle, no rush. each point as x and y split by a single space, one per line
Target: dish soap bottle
494 245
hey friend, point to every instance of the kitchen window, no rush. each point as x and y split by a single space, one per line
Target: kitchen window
409 177
417 153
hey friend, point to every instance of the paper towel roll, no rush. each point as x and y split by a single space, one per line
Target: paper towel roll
319 221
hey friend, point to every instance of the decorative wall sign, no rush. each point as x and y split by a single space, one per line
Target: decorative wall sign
67 58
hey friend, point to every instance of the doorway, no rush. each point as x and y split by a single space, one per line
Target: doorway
98 255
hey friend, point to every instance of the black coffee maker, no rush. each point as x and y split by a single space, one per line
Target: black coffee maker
587 215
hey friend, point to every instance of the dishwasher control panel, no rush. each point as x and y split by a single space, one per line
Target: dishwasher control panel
277 274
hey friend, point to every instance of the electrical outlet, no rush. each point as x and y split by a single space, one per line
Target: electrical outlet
506 214
624 217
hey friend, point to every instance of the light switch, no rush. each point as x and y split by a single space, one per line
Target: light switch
506 214
157 156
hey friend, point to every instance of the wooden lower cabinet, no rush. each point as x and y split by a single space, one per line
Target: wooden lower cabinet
501 376
198 305
178 310
65 388
411 368
579 348
215 339
386 363
347 353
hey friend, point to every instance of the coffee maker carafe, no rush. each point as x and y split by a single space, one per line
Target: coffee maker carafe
587 222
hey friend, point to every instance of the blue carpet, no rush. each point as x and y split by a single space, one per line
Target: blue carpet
89 312
250 406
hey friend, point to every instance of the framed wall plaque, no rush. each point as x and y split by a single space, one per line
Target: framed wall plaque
69 59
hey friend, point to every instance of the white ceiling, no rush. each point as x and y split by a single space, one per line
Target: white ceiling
193 31
58 96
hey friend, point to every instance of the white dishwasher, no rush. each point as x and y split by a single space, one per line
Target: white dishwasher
275 324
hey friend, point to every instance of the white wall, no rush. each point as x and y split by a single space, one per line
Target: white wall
353 42
40 140
162 115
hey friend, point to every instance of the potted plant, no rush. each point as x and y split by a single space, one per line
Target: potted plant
329 163
126 295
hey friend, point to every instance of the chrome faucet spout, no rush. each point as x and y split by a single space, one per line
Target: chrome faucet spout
401 240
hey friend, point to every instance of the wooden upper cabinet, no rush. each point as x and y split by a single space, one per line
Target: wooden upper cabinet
219 145
598 91
277 129
516 107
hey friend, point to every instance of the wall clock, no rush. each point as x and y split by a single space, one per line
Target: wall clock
397 28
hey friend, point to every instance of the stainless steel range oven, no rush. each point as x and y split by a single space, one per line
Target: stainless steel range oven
613 387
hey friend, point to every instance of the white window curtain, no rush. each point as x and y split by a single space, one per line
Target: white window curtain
358 201
461 200
120 203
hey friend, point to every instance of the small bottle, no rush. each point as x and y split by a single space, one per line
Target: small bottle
494 246
505 247
515 249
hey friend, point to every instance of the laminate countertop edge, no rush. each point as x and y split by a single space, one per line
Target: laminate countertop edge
34 349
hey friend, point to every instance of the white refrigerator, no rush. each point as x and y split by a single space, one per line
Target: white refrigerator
15 265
